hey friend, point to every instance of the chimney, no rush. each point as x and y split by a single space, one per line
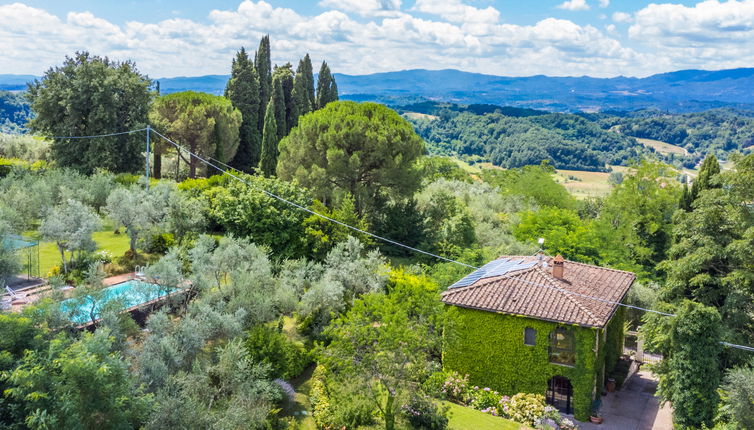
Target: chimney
557 266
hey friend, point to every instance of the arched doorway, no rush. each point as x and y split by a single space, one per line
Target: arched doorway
560 393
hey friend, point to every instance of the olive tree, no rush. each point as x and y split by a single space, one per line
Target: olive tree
70 226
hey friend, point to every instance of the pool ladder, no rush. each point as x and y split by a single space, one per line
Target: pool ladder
139 271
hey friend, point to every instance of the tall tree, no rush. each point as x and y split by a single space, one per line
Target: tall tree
284 74
692 374
278 103
327 89
208 125
91 95
387 341
263 65
268 161
243 92
303 89
364 150
709 169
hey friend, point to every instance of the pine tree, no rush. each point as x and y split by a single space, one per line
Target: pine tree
327 90
243 92
709 168
269 158
284 75
263 64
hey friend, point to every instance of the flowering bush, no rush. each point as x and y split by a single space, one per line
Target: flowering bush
485 400
422 413
525 408
103 256
448 385
552 420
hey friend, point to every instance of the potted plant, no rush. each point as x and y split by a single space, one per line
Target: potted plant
595 417
611 385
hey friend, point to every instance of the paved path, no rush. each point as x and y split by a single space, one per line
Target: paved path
634 407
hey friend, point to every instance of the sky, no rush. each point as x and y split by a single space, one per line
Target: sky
601 38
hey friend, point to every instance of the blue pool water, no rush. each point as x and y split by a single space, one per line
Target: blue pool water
130 293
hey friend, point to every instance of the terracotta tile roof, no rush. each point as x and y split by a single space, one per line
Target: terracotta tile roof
533 291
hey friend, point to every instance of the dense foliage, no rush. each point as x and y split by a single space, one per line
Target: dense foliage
566 141
110 97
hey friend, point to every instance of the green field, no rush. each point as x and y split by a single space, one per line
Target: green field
662 147
462 418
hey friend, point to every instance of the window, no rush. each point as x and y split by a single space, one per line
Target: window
562 346
530 336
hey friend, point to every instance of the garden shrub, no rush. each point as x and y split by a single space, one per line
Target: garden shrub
448 385
267 345
424 414
524 408
160 243
485 399
338 406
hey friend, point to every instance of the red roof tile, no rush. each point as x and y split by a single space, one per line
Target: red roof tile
535 293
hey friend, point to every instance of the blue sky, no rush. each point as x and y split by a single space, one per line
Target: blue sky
514 38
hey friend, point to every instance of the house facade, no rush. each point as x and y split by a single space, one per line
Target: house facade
524 324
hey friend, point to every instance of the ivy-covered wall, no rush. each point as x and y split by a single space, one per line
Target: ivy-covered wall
490 348
614 343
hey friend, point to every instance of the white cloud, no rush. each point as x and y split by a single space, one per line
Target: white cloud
364 7
710 34
380 37
457 12
622 17
604 3
574 5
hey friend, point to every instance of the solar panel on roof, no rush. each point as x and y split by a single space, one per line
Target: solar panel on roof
497 267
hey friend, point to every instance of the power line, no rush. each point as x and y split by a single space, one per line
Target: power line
296 205
303 208
97 135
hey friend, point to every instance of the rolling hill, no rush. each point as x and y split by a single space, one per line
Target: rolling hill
680 91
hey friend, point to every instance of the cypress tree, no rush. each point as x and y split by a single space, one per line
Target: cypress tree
710 167
302 102
685 200
284 75
269 159
308 84
243 92
278 103
327 90
263 64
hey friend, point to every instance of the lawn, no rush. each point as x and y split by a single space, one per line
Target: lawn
49 256
463 418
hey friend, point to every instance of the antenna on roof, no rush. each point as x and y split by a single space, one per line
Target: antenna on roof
541 252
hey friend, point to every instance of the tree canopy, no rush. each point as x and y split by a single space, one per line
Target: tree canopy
91 95
360 149
207 125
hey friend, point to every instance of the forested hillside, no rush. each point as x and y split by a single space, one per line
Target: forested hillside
518 137
514 137
14 112
718 130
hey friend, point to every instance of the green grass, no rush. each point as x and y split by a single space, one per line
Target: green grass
463 418
49 256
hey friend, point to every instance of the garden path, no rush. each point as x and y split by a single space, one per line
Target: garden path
634 407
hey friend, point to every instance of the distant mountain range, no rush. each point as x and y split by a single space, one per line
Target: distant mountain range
681 91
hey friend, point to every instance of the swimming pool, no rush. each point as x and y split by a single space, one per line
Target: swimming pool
130 293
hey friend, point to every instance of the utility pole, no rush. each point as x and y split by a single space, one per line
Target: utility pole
149 128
